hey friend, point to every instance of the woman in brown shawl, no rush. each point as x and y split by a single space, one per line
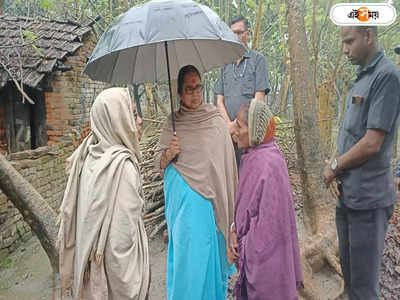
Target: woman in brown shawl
102 241
199 189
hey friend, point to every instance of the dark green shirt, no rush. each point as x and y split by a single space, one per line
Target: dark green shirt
239 83
372 103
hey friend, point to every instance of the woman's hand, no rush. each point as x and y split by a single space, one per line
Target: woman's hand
234 245
169 154
173 149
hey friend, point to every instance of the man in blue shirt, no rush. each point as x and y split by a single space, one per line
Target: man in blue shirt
243 80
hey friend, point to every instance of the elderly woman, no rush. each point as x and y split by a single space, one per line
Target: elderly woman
199 187
102 240
267 246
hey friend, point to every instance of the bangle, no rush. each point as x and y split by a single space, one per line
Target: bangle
232 226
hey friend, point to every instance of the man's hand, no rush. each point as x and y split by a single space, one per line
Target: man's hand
397 184
334 188
329 175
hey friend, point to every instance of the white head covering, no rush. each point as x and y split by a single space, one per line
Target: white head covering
112 143
259 118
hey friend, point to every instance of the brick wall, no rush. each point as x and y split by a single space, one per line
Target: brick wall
68 98
44 168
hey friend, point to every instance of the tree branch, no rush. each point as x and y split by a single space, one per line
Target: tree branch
17 84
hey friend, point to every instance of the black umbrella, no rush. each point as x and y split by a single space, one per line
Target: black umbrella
151 42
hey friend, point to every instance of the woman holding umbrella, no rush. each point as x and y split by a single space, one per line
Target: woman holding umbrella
199 187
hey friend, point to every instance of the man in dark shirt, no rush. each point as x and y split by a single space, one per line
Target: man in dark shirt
360 176
243 80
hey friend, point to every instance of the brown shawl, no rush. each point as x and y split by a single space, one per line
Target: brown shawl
207 159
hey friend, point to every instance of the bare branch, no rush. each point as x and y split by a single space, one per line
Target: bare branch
17 84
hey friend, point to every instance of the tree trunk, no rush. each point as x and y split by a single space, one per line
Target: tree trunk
150 100
36 212
227 12
319 244
34 209
76 9
284 91
137 100
1 6
110 11
305 118
327 108
157 102
257 30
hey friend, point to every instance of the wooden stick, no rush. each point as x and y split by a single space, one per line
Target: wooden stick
153 121
152 185
159 227
17 85
156 212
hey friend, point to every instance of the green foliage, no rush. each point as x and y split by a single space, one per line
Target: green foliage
30 35
6 263
46 4
37 50
251 4
274 30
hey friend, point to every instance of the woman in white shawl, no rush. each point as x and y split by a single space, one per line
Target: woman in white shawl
102 240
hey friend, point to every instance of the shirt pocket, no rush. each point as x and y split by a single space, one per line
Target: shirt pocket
355 121
249 86
249 81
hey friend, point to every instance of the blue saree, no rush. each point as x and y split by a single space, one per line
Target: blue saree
197 266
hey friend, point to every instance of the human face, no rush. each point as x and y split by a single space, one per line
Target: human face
139 124
356 44
241 131
192 89
241 32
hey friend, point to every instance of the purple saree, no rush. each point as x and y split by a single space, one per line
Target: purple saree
269 264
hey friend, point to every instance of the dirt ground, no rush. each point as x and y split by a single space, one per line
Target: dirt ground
26 274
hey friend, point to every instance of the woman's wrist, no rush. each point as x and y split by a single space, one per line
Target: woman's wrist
233 229
164 159
168 155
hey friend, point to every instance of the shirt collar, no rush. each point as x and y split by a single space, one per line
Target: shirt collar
372 63
247 54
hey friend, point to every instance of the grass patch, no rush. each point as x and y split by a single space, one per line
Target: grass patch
6 263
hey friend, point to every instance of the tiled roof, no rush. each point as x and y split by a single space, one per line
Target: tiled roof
36 46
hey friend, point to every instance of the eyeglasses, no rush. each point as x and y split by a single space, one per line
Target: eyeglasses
239 32
191 90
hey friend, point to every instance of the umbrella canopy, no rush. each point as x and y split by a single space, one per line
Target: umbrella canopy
133 49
